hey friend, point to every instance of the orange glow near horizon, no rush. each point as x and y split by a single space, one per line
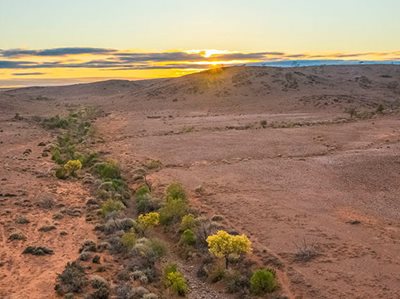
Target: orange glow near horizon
135 65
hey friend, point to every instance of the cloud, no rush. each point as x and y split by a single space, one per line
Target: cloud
111 59
28 74
54 52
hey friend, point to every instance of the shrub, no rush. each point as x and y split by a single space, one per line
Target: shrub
87 159
153 164
263 281
72 166
56 155
225 245
173 211
98 282
110 206
38 250
148 220
380 108
72 279
152 249
17 236
175 191
188 222
188 237
61 173
128 240
146 204
236 282
175 281
107 170
142 191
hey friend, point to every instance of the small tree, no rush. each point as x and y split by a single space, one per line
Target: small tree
223 244
72 166
148 220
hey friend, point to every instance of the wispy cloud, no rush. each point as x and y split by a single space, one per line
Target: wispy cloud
28 74
54 52
112 59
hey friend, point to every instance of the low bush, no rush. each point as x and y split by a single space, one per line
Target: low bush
263 281
72 280
151 249
72 166
175 281
38 250
188 222
128 240
148 220
188 237
175 191
107 170
111 206
173 211
236 282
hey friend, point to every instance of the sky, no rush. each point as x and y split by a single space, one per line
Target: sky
58 41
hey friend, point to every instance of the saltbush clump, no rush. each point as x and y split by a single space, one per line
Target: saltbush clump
111 206
188 222
175 191
72 280
107 170
128 240
72 166
263 281
188 237
175 281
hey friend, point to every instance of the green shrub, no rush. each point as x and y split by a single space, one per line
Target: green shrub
56 122
107 170
175 281
173 211
61 173
56 155
188 222
128 240
175 191
263 281
142 191
87 159
188 237
110 206
72 166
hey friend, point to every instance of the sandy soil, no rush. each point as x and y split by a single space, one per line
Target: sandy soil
334 185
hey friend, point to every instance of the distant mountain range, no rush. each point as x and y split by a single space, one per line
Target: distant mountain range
302 63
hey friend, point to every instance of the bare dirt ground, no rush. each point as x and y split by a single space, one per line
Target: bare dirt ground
332 185
30 191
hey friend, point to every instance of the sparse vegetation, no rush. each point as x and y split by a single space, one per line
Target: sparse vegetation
111 206
148 220
175 281
128 240
263 281
188 237
72 280
38 250
72 166
305 251
225 245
